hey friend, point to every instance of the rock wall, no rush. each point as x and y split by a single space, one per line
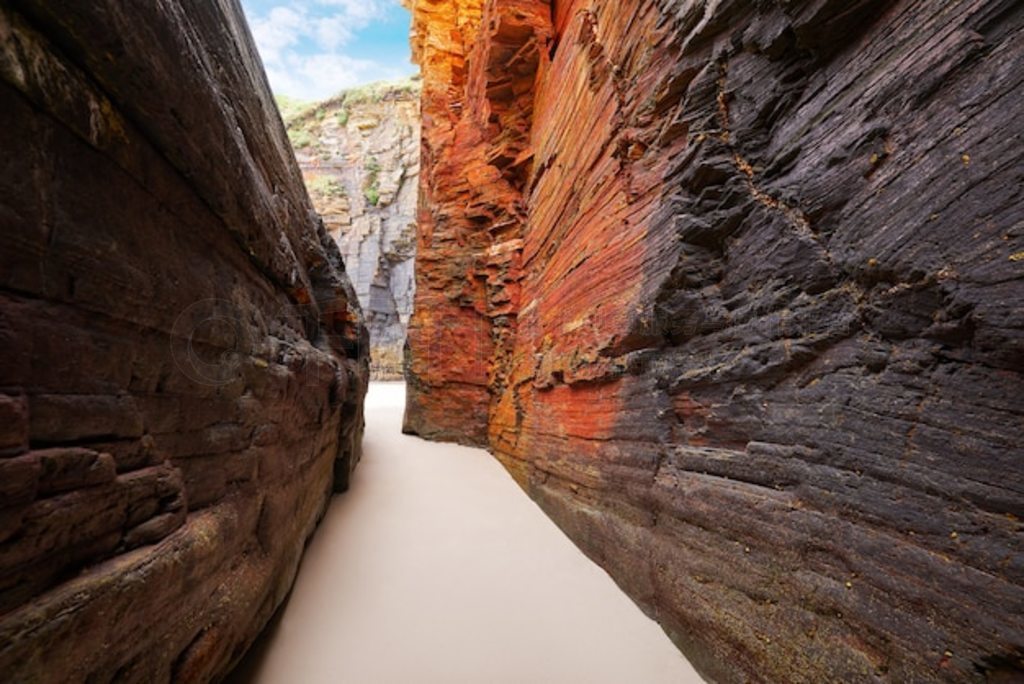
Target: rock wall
734 291
183 358
476 159
360 153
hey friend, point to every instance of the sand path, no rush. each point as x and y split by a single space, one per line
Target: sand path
436 567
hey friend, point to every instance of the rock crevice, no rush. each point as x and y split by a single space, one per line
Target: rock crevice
359 154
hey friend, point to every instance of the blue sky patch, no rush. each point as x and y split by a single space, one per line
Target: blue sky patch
311 49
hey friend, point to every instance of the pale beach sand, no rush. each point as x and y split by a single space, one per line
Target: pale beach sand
436 567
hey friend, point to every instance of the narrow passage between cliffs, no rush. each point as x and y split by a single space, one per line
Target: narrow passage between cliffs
436 567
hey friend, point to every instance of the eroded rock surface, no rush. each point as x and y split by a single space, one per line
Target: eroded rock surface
734 290
359 153
183 358
476 161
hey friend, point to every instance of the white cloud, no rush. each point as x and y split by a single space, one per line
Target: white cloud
363 10
332 33
301 45
316 76
282 28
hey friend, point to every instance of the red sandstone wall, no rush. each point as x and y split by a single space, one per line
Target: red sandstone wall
754 338
183 360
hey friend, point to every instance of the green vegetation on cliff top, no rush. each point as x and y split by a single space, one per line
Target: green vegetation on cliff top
290 107
301 113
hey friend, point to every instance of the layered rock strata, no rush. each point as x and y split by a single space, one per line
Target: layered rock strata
476 159
734 291
359 154
183 358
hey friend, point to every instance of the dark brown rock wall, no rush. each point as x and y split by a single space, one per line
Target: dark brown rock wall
768 350
183 358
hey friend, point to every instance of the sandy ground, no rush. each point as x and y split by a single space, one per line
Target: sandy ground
436 567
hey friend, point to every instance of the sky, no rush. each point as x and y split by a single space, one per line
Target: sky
311 49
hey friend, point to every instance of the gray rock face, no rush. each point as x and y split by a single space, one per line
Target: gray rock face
359 154
182 359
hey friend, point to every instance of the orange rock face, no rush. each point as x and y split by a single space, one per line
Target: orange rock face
478 159
726 287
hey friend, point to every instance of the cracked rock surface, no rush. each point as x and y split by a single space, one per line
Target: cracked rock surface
734 290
